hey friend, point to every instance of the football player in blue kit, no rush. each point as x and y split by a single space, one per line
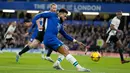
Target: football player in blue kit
52 28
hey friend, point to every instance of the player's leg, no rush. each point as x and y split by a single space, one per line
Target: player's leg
3 45
48 55
86 49
49 52
106 39
8 42
34 44
42 50
60 57
129 53
25 49
40 39
71 59
57 45
103 48
12 42
29 46
57 65
120 48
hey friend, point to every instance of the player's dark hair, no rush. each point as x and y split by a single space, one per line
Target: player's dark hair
63 11
119 13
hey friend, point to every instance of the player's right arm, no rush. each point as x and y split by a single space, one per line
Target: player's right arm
38 24
112 27
43 15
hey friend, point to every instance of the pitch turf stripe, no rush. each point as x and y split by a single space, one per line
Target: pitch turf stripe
27 68
46 69
39 69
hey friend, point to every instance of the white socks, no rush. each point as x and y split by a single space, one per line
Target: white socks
73 61
60 58
42 50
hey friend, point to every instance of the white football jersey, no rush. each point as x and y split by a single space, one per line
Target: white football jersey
11 28
116 22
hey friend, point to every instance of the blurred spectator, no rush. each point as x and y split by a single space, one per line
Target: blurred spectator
21 15
79 16
28 16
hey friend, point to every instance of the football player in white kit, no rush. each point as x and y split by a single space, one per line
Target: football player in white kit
111 35
8 36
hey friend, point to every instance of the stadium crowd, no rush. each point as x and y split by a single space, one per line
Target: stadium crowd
82 32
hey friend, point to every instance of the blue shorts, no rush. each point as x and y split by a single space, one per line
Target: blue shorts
34 35
53 43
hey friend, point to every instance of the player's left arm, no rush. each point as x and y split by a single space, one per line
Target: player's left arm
68 37
65 35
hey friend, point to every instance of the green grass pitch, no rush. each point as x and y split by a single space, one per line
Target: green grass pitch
32 63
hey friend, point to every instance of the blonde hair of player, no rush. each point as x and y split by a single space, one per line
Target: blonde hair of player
53 7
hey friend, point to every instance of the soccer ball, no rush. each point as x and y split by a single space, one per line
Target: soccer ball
95 56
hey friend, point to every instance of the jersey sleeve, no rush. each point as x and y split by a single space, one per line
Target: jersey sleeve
65 35
44 15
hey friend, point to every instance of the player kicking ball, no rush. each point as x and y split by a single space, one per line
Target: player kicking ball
51 40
